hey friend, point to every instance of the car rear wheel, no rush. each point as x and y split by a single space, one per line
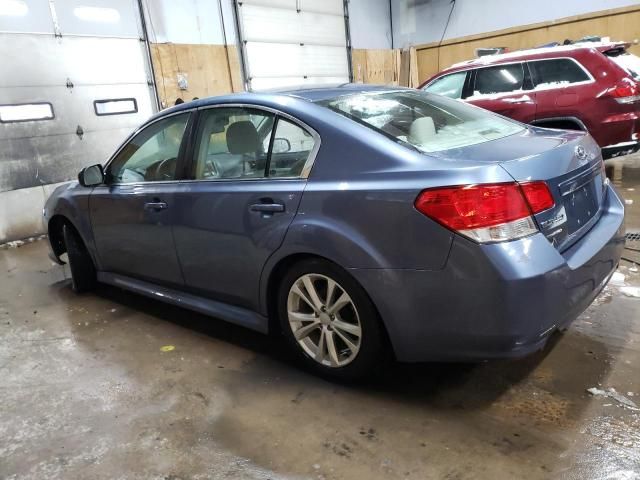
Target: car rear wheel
329 321
83 272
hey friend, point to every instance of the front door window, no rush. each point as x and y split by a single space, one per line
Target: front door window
152 155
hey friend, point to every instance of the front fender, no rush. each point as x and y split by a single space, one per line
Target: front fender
71 201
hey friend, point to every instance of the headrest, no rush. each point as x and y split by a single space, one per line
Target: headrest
242 137
422 130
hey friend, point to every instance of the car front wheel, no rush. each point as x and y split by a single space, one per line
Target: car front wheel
329 320
83 272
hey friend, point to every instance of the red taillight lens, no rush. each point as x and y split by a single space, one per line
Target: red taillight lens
474 206
625 89
470 208
538 196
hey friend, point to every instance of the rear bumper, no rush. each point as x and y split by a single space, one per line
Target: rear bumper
496 301
623 148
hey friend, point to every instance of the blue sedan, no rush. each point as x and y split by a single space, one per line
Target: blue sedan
356 221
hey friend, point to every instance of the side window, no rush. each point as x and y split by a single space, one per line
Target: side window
450 85
292 146
152 155
556 72
233 143
499 79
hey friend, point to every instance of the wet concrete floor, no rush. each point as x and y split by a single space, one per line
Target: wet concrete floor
110 385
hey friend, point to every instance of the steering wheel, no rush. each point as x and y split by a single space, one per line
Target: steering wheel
166 169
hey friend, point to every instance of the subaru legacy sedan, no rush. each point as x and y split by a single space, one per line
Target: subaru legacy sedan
356 221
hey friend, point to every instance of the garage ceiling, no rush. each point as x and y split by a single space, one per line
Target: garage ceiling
293 42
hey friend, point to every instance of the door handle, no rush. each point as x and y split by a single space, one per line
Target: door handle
155 206
267 207
522 99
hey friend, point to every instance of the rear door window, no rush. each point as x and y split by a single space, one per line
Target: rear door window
556 72
449 85
499 79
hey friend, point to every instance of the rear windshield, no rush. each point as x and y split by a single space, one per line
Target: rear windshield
629 62
427 122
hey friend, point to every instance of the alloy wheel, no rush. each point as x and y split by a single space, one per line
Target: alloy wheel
324 320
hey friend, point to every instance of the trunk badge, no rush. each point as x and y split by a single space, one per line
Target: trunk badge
581 153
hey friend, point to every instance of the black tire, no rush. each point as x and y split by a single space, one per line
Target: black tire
83 271
371 353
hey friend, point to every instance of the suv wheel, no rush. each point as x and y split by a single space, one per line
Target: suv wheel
329 321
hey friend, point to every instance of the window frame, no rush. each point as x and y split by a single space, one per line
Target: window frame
191 162
7 122
107 100
582 67
182 151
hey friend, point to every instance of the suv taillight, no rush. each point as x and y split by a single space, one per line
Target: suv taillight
487 212
627 91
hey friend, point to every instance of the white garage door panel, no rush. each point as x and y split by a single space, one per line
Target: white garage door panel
335 7
288 60
27 162
76 108
292 42
113 18
31 16
34 60
264 24
287 4
267 83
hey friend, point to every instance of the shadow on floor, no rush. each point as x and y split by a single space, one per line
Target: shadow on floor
441 385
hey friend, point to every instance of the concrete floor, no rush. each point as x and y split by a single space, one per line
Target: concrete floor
87 390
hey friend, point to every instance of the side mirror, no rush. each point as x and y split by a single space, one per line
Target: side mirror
281 145
91 176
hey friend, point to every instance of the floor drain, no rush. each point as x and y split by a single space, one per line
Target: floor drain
632 237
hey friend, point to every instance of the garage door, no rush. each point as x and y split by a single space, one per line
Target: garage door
293 42
73 85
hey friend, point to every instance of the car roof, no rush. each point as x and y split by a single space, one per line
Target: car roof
543 52
309 93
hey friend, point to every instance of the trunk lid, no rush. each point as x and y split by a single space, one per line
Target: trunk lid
569 162
574 172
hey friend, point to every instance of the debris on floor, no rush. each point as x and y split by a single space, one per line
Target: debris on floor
630 291
20 243
612 393
617 279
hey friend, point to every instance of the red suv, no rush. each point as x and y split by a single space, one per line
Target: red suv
592 87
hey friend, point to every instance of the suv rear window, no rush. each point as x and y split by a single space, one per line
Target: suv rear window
629 62
499 79
428 123
557 71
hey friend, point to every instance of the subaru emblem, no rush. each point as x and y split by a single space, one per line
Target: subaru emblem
581 153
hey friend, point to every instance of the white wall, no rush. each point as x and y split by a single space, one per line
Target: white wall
422 21
189 21
370 23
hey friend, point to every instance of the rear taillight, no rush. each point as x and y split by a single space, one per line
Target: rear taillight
487 212
627 91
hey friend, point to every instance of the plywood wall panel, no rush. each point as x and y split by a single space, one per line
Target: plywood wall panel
205 68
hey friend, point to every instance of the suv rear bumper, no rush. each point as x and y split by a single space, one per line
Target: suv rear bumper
499 300
623 148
